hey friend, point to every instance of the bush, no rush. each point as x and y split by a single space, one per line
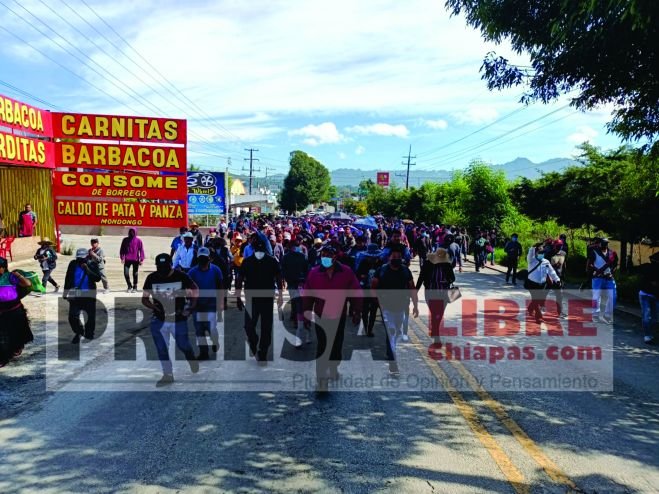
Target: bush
68 249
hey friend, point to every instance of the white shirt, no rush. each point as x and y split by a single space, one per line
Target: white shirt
540 274
184 256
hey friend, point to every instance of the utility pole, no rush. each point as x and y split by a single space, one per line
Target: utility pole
251 160
267 169
409 158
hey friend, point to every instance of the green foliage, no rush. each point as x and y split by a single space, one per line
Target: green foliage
68 249
486 202
595 48
355 207
308 181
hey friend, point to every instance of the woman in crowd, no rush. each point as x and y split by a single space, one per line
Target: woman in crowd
436 276
15 330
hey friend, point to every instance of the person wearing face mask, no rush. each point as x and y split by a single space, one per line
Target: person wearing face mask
513 250
602 263
540 270
186 254
80 293
294 268
327 290
259 274
394 286
209 279
177 241
172 296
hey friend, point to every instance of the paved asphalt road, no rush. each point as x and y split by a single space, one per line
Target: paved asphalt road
193 438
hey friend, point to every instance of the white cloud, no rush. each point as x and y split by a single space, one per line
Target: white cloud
477 115
341 156
582 134
325 133
439 124
380 129
360 150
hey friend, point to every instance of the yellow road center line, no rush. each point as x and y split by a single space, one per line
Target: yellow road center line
530 446
503 461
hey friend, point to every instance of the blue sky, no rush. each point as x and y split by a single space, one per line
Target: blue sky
353 83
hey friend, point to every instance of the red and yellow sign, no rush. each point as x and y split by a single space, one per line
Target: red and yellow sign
131 185
383 179
119 128
19 150
91 212
121 157
20 116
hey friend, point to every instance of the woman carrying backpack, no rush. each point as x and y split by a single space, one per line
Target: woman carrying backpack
14 325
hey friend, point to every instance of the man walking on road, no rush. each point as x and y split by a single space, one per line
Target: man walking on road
259 273
294 268
513 250
209 279
80 293
167 292
602 262
97 255
131 253
394 287
326 293
186 254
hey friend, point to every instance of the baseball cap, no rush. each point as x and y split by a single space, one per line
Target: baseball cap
203 252
317 241
81 253
163 259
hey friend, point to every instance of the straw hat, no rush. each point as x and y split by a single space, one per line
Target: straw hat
45 241
440 256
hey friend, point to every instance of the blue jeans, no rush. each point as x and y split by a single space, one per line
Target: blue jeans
603 286
649 312
161 331
394 322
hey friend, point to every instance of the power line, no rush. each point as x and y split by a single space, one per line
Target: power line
29 95
145 60
499 120
468 150
407 176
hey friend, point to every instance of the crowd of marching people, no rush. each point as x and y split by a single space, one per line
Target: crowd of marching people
317 261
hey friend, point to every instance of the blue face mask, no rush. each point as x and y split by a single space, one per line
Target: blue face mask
539 257
326 262
514 239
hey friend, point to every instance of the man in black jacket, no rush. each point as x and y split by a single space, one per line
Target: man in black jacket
80 291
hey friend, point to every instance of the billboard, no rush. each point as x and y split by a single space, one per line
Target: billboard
22 129
383 179
119 128
20 116
137 180
206 193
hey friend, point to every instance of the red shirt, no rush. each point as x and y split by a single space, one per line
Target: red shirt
327 296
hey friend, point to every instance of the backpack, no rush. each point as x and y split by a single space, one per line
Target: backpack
36 286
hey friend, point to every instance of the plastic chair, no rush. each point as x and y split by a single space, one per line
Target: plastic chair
5 247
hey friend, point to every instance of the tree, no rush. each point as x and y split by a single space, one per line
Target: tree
486 202
601 48
308 181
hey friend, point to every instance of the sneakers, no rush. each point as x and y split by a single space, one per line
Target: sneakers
648 340
298 337
406 338
57 289
129 290
607 320
134 290
165 380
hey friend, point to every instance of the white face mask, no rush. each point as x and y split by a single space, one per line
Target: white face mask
259 255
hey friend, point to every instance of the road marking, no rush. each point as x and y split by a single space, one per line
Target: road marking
530 446
503 461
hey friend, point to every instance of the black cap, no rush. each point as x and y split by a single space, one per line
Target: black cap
163 259
94 241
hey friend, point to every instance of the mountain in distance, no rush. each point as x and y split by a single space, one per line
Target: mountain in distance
343 177
518 168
